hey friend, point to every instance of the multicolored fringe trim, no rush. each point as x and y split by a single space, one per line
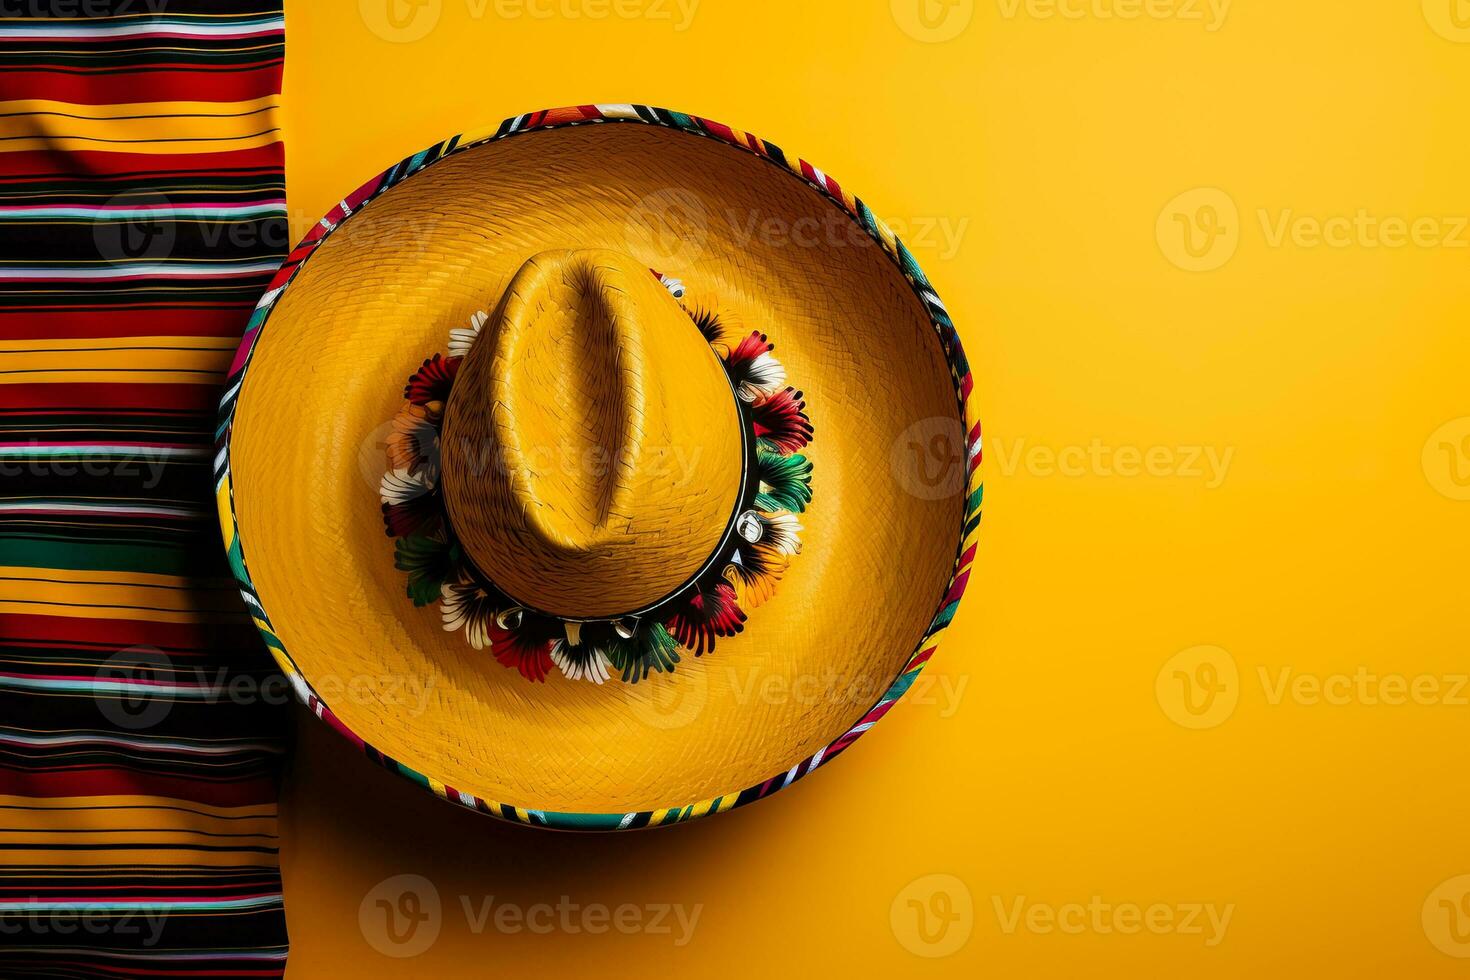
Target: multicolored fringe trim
695 126
742 576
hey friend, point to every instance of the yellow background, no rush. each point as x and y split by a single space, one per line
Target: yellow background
1045 168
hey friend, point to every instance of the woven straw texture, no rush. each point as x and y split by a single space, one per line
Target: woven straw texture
883 565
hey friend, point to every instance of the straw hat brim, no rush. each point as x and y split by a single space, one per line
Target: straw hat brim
373 290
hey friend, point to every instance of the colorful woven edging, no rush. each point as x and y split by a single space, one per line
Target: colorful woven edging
696 126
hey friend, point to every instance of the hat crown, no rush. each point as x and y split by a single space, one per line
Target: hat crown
592 449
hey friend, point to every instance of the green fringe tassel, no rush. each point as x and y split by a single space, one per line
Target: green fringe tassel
429 562
785 482
651 648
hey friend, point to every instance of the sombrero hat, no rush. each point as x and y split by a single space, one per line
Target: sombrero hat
670 438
